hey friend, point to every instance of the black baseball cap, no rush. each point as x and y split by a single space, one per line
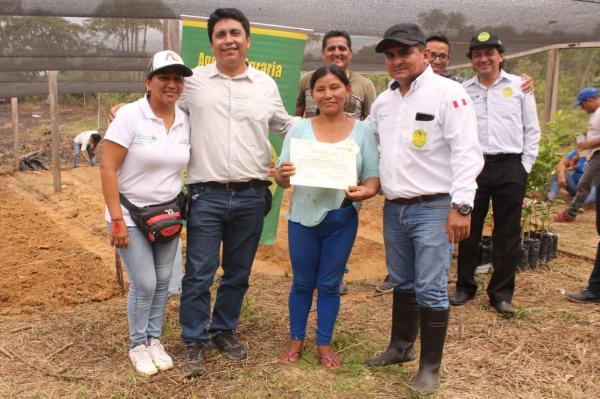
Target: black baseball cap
407 34
485 39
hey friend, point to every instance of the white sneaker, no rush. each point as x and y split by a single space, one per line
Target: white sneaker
140 357
158 355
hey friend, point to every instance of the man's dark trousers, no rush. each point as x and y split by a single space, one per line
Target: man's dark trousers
503 180
594 282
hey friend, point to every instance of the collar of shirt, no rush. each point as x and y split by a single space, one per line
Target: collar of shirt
148 113
415 83
475 80
250 73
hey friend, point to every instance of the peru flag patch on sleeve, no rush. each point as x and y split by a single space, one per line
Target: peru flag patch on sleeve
459 103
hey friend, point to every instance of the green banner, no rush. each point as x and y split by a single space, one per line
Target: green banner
275 51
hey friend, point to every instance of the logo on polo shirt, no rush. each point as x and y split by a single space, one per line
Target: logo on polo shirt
507 91
419 138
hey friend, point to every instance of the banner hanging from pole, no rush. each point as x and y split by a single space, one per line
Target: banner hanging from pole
278 52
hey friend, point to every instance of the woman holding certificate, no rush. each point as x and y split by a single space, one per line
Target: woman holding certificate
323 215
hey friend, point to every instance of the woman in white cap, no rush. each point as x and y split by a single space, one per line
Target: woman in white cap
146 147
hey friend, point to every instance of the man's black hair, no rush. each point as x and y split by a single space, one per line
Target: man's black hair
336 33
96 137
223 13
438 38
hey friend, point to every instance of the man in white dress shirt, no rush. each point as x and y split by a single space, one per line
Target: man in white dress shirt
430 159
232 107
509 135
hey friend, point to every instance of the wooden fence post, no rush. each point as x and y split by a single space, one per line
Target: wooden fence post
551 97
14 105
53 99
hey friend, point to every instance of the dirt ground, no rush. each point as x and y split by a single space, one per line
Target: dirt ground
63 325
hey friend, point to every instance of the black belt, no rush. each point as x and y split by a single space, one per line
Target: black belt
415 200
235 185
500 157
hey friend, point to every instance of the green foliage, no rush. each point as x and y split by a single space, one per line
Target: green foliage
380 82
554 144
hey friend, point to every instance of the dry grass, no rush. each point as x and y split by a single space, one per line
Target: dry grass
550 350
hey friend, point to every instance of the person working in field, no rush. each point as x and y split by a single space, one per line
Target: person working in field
84 146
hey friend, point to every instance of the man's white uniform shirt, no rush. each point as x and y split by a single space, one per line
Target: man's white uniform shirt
428 140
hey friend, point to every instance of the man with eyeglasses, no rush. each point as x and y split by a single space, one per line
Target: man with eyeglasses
440 56
509 135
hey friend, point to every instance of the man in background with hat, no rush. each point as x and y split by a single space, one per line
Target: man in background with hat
430 159
589 101
509 135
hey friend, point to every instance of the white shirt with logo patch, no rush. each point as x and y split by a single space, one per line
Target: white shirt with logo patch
150 172
507 118
428 140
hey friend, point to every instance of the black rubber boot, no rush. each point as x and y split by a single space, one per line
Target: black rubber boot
434 325
405 327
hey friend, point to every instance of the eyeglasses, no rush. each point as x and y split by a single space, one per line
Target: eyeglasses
443 57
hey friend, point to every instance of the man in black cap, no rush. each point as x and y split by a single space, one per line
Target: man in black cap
509 135
430 159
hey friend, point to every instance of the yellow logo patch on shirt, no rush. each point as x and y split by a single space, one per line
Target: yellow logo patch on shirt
419 138
507 92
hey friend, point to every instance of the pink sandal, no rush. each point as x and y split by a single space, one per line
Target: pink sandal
327 361
289 356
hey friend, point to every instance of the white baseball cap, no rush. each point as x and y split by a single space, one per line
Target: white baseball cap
167 59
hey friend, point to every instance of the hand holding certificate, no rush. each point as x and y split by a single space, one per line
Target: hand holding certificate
324 165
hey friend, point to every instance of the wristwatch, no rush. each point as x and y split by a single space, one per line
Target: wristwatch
462 209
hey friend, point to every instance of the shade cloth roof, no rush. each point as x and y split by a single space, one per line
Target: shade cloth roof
35 43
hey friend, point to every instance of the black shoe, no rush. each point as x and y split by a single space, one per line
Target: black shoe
583 296
405 327
505 308
227 344
193 364
460 298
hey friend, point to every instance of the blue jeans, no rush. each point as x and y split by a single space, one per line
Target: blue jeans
571 189
417 251
148 272
77 156
177 275
319 255
235 218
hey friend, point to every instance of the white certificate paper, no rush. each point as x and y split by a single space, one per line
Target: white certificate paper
324 164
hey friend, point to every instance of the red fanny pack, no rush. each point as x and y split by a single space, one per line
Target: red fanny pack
160 223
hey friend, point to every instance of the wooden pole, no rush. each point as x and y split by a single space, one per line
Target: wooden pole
14 104
98 119
53 99
171 34
550 98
